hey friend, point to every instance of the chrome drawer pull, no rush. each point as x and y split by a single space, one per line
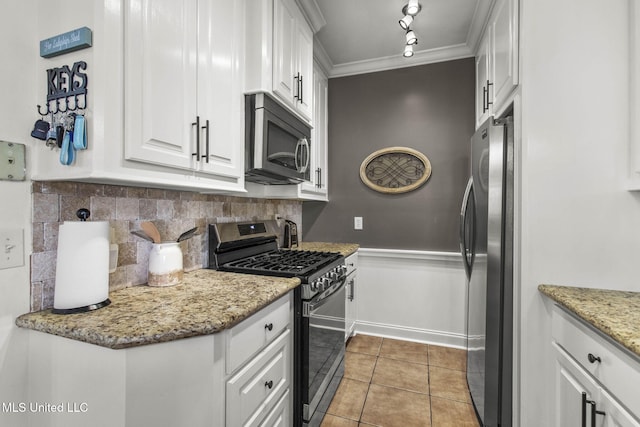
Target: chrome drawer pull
593 359
269 326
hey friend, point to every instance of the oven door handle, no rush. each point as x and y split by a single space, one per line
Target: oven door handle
323 298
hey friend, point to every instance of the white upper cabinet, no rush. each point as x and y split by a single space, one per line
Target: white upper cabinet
497 61
317 187
183 85
280 54
161 81
483 109
165 103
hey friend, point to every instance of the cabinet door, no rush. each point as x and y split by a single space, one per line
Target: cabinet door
614 414
254 391
504 51
350 311
219 98
284 53
482 74
571 382
318 182
304 39
160 81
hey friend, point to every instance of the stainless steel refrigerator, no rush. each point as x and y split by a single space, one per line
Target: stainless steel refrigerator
486 242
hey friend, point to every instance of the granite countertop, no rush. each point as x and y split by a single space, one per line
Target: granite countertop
206 302
345 249
614 313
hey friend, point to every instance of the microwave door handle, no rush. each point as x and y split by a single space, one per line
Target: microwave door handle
307 152
295 155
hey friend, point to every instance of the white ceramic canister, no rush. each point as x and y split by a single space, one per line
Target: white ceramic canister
165 264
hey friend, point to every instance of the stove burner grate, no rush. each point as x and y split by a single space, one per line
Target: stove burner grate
285 263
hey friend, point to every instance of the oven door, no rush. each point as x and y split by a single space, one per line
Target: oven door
323 326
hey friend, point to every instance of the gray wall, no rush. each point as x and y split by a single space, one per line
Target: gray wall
429 108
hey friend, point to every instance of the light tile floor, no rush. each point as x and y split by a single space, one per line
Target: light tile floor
392 383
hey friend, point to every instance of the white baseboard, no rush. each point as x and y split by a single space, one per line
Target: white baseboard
444 339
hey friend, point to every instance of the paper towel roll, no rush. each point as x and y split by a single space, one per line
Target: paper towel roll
82 267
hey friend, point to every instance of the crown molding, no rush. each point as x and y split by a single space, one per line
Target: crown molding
422 57
321 57
479 23
312 14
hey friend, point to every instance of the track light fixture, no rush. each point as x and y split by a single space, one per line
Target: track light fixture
413 7
406 21
410 10
411 37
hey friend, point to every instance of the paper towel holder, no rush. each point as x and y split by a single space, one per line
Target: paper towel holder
72 292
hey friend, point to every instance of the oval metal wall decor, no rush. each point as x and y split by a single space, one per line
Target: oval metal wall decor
395 170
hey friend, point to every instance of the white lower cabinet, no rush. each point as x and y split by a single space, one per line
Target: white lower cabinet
255 390
280 416
351 309
595 382
183 382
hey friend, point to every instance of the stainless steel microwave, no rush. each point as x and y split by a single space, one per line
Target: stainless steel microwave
277 143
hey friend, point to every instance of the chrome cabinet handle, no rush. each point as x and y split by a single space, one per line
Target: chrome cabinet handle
584 410
488 98
197 125
484 99
594 411
298 95
269 326
206 155
301 88
593 359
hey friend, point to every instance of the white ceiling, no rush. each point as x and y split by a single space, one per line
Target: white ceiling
359 36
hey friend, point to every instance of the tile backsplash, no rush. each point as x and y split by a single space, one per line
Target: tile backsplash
173 212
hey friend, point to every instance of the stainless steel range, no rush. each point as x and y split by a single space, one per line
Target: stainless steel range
252 248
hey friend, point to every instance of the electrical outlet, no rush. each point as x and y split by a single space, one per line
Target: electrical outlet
11 248
357 223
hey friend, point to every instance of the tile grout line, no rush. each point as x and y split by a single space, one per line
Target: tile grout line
370 382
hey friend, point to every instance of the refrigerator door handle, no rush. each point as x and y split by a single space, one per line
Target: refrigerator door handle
463 228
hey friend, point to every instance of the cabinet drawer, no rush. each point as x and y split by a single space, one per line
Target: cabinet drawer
255 389
252 334
281 414
617 371
351 262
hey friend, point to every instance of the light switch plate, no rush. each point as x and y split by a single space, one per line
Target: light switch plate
11 248
12 161
357 223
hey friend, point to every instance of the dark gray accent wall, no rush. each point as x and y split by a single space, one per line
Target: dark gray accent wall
429 108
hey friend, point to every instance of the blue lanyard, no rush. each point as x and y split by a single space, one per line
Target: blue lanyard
73 140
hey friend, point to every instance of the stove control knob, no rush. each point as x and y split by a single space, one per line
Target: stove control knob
333 275
314 285
326 283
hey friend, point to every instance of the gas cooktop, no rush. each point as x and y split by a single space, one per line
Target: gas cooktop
283 263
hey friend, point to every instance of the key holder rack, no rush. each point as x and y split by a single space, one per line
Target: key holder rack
66 89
